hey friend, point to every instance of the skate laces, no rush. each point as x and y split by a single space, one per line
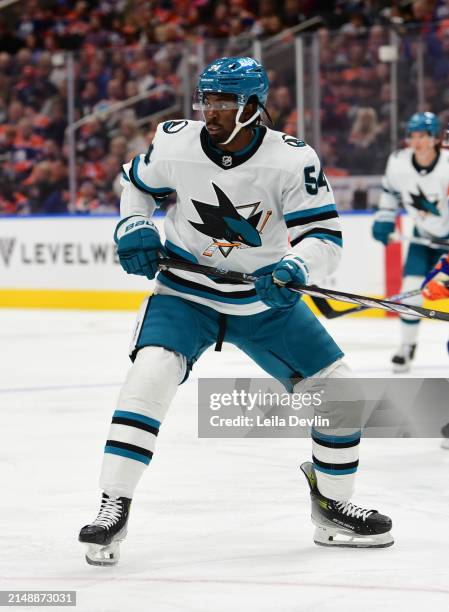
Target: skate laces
110 511
352 510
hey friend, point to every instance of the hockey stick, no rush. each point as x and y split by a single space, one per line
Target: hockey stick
331 313
312 290
433 243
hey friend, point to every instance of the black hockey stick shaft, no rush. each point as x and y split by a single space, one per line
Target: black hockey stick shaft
312 290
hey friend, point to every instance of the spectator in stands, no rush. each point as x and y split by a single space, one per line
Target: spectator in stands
135 142
142 74
143 106
57 125
293 13
364 151
92 168
87 200
27 147
91 133
112 172
119 148
330 157
114 94
90 97
281 106
38 187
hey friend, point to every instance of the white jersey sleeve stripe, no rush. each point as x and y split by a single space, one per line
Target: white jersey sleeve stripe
322 234
298 217
325 225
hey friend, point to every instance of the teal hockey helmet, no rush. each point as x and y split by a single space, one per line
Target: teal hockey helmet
242 76
424 122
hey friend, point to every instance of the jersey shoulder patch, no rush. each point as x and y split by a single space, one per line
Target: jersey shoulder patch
290 152
292 141
174 126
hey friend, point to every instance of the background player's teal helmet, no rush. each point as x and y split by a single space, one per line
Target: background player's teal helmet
242 76
424 122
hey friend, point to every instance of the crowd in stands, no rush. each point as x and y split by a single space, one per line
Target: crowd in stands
142 50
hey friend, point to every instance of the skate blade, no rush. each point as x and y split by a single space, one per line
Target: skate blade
332 537
401 369
103 555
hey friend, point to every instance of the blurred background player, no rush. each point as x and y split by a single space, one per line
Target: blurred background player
416 178
242 191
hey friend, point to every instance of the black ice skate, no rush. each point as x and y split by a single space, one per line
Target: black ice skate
104 535
402 359
344 524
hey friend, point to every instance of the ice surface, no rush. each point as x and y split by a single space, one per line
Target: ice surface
217 525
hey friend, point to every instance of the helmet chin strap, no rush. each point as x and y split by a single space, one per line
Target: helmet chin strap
239 125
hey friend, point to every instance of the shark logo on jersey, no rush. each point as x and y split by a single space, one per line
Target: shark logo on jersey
227 226
423 205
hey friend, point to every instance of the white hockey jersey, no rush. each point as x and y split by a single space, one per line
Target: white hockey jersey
241 211
422 191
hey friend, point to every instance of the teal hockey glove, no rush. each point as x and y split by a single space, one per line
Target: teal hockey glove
383 226
271 287
138 246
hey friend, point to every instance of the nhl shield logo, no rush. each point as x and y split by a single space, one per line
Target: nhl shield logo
226 161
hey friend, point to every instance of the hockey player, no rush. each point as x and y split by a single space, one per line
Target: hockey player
416 178
242 190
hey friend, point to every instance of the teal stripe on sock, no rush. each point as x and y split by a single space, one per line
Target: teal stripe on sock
137 417
126 453
335 472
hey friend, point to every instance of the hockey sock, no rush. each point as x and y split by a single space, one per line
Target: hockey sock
142 405
410 325
335 459
335 449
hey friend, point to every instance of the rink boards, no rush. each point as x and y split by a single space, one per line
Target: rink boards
71 262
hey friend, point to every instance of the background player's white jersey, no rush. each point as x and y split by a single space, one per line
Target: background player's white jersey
234 211
422 192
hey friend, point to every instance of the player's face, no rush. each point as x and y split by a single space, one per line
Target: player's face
220 111
421 142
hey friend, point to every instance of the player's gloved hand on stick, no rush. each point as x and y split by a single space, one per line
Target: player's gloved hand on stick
382 230
435 284
271 287
138 246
